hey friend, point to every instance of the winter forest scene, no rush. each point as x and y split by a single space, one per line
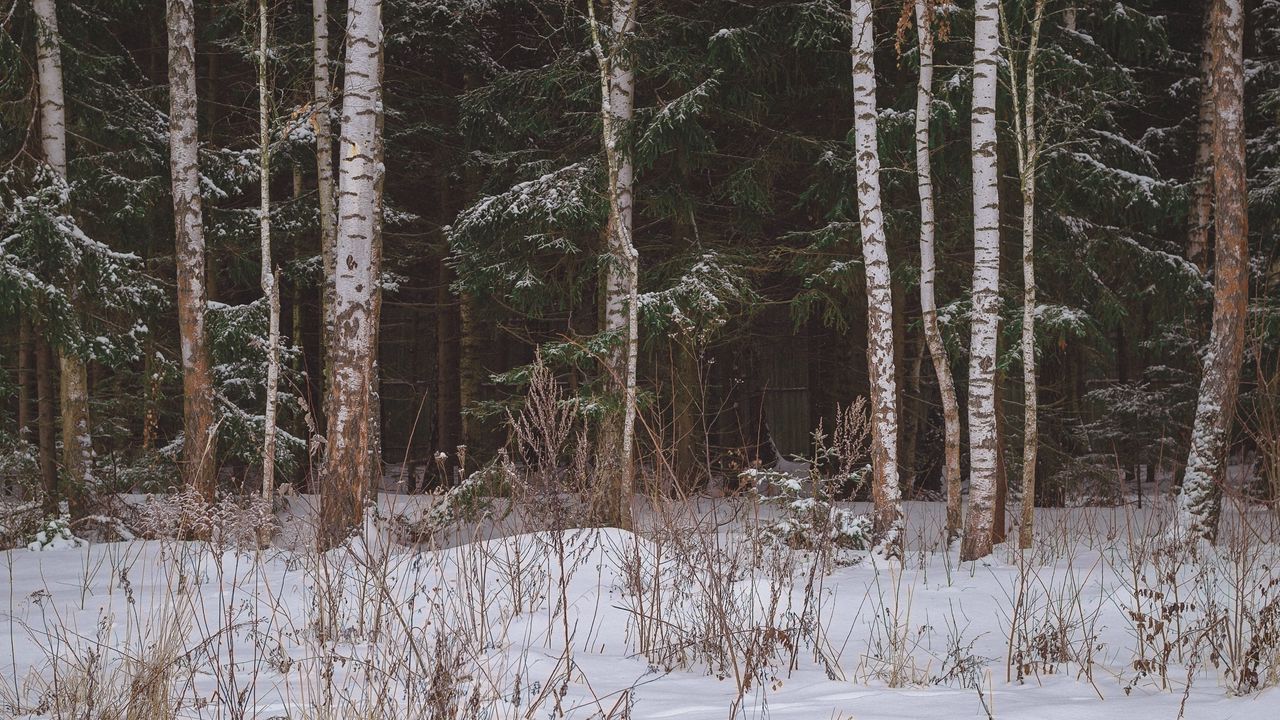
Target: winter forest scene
640 359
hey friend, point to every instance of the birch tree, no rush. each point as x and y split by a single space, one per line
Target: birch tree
325 190
1028 149
1200 499
875 256
983 433
347 471
199 444
268 277
77 439
928 303
621 275
1200 218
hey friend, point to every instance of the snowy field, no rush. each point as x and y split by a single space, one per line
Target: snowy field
696 615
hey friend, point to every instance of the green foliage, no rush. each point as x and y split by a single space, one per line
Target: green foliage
86 298
238 341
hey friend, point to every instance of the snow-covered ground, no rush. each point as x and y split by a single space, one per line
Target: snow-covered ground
690 617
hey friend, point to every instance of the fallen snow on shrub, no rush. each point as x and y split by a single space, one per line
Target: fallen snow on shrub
55 535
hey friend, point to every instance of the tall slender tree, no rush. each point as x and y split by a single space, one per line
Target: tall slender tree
928 302
198 426
45 425
25 376
347 471
983 431
269 277
1200 218
77 437
1028 148
622 271
322 103
1200 499
881 361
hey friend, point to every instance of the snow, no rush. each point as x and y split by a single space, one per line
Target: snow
483 621
55 535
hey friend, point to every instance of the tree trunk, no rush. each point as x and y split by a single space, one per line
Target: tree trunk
151 398
1200 500
448 382
470 367
1000 508
881 363
199 445
928 303
621 275
686 411
323 101
983 438
1028 148
347 469
77 439
268 277
914 415
1200 217
44 422
25 376
375 324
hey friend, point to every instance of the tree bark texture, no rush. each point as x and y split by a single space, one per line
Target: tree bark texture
881 360
77 436
615 467
928 271
199 448
1200 500
347 471
983 433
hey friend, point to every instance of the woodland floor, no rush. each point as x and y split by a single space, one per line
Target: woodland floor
690 617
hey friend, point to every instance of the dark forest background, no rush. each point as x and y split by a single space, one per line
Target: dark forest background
753 307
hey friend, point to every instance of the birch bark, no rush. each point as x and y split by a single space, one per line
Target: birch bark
200 441
347 471
1200 499
617 89
928 271
325 186
325 190
268 277
983 439
1028 149
77 439
1201 216
881 361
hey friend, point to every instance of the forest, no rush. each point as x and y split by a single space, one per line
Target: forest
350 325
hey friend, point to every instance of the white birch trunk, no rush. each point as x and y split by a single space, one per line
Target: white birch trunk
53 119
1028 149
1200 499
928 302
983 434
622 274
77 438
199 445
268 276
875 255
347 471
1200 218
